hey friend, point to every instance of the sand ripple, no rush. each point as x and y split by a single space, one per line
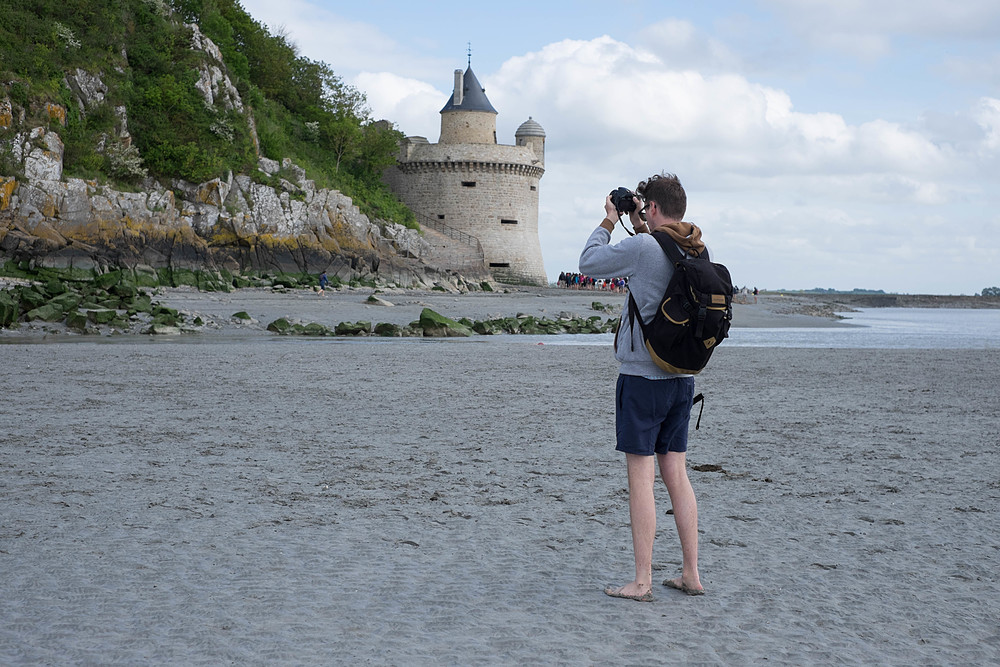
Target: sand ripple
421 502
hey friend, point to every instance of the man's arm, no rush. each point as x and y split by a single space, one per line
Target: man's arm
601 260
638 223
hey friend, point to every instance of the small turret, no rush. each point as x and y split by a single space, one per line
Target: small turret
531 134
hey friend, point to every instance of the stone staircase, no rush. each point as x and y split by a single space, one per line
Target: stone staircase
453 250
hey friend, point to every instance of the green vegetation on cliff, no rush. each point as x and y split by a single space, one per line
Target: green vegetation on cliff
141 51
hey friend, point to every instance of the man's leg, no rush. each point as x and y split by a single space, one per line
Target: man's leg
673 469
642 513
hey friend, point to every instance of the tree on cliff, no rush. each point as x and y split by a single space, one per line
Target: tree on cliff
292 94
140 52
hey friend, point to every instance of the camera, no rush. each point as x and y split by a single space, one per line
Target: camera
622 199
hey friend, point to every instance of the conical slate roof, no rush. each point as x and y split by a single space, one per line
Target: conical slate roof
474 96
530 128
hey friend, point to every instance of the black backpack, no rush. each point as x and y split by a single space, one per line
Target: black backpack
694 313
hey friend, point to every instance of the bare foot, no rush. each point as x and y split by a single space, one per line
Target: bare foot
693 589
631 591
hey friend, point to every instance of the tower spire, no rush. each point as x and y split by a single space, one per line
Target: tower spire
470 54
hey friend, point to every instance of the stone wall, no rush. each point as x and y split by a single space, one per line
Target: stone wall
487 191
537 146
468 127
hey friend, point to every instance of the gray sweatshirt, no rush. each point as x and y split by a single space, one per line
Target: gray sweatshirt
640 259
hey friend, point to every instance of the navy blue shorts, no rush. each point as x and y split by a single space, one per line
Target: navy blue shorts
652 415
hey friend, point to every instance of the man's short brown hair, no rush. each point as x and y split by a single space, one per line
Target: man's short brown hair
668 193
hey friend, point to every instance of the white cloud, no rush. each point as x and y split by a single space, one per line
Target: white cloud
411 104
866 29
931 18
885 146
682 46
978 70
607 99
987 114
615 113
347 46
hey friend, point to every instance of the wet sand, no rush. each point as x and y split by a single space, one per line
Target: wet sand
255 499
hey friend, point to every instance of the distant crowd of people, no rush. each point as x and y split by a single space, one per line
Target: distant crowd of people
567 280
580 281
743 294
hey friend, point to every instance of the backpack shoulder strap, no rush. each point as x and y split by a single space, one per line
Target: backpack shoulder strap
674 253
633 315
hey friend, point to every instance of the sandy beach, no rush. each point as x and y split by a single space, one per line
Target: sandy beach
243 498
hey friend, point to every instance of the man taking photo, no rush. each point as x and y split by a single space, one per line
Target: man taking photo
652 406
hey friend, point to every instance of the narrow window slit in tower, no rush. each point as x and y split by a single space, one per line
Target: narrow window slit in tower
508 222
468 184
499 265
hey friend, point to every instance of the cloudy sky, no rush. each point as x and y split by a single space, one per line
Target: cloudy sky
837 144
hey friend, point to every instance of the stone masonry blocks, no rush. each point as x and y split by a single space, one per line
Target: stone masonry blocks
468 127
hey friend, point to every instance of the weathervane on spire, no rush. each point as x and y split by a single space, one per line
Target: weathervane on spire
470 54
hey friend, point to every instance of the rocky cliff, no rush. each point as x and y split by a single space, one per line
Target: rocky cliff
273 219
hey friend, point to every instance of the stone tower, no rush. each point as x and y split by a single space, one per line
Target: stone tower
470 183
